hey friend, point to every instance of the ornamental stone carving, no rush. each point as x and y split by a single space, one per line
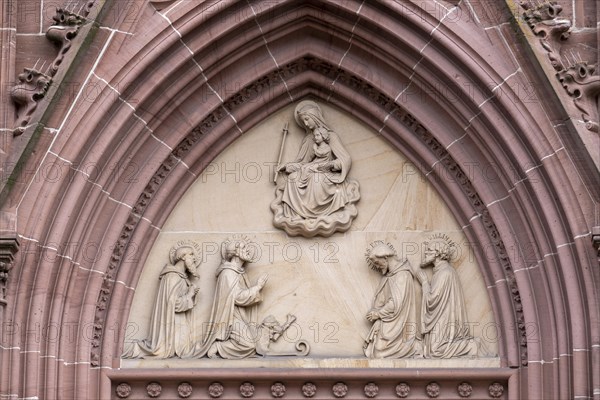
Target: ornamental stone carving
496 390
402 390
309 389
184 390
278 390
583 85
154 389
340 390
216 390
464 389
444 323
371 390
26 94
433 390
170 325
65 28
123 390
247 390
393 313
543 20
315 196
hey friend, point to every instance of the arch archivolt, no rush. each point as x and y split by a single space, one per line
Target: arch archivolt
178 101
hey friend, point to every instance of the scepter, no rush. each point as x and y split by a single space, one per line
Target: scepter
285 132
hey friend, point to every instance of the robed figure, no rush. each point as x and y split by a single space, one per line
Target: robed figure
316 196
393 334
231 331
170 324
445 327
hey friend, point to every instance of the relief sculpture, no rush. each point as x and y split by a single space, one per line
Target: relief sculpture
316 196
444 322
233 329
394 333
233 319
170 324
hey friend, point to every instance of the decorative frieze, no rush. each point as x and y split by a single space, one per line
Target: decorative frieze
352 387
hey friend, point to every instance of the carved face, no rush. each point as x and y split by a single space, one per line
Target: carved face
189 260
245 252
308 121
318 137
429 258
381 264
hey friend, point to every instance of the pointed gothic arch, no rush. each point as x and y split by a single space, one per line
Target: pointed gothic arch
169 108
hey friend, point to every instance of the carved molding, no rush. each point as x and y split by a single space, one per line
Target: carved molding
578 77
161 4
350 384
254 91
26 94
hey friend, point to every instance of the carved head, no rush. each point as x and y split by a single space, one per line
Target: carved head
187 251
438 247
237 246
308 115
378 256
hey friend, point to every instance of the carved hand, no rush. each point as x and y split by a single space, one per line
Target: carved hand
421 277
292 167
373 316
262 280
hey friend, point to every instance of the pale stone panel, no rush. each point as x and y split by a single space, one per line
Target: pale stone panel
325 282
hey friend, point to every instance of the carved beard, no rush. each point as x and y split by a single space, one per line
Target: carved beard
427 263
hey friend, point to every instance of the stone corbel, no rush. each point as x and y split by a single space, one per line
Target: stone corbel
9 245
596 240
26 94
544 22
65 28
584 87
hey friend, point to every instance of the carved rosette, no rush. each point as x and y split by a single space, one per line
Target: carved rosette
278 390
309 389
371 390
340 390
247 389
433 390
154 389
402 390
496 390
215 390
464 389
184 390
123 390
